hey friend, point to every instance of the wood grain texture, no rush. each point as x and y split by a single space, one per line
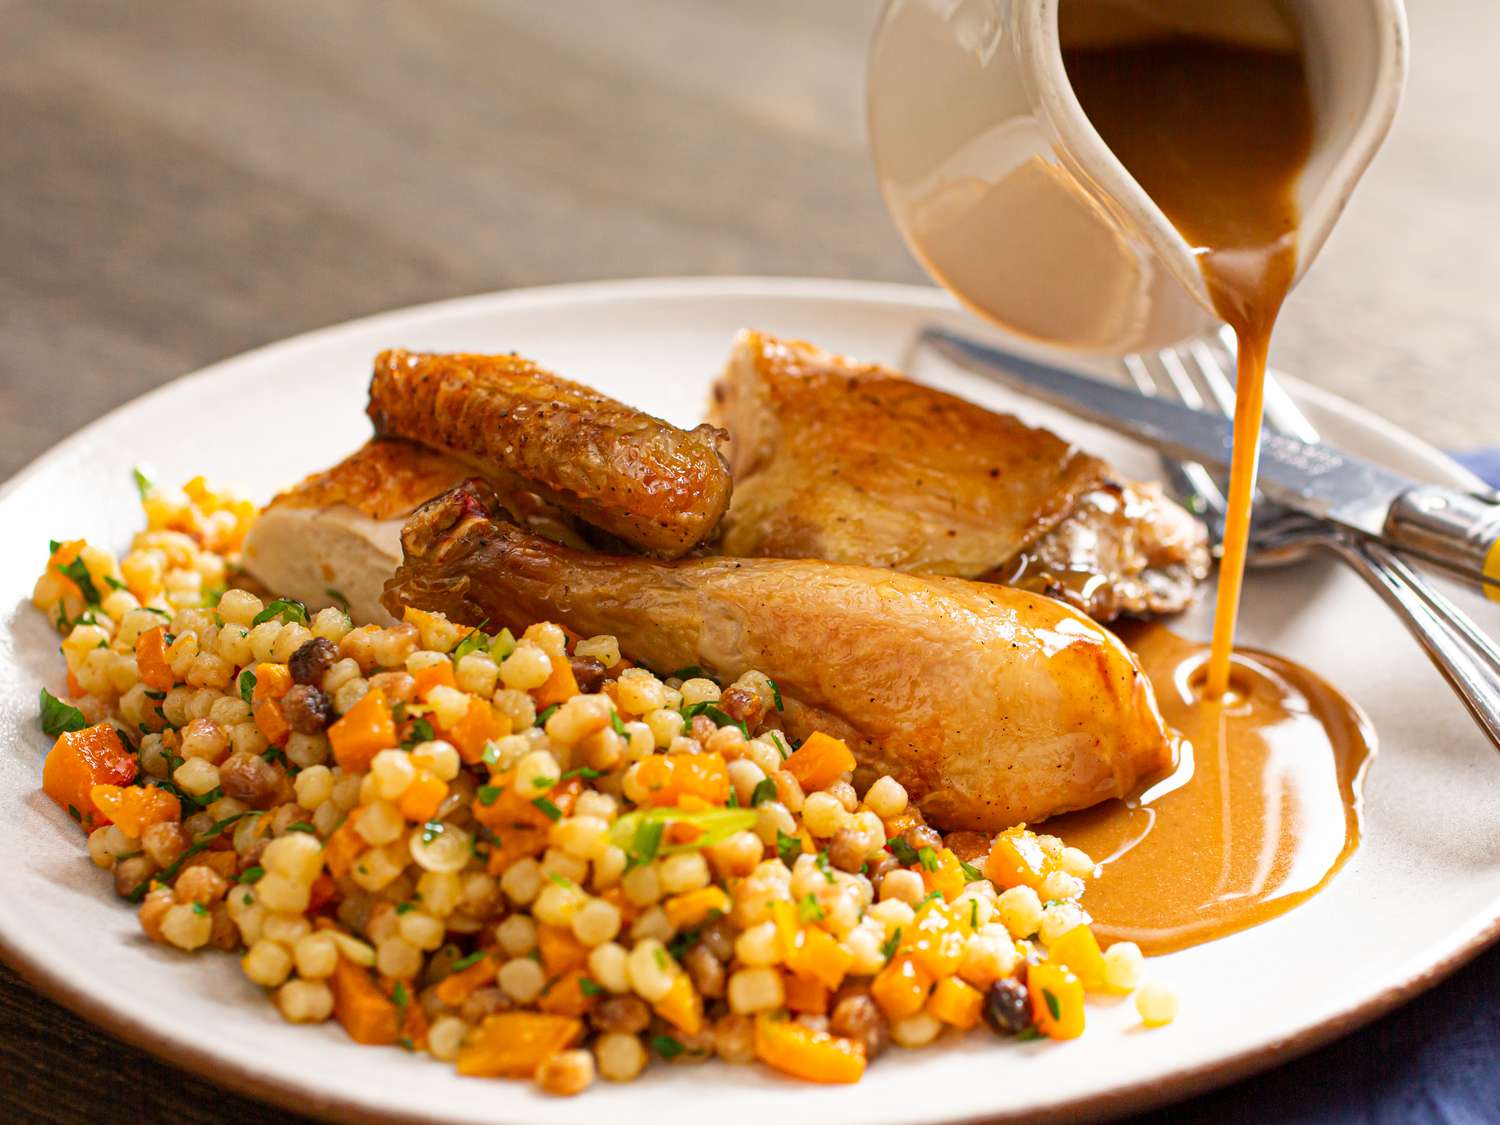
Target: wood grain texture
185 180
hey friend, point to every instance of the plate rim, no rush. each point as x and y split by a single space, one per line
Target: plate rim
304 1095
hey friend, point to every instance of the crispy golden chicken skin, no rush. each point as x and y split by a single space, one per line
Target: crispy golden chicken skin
851 462
991 705
654 486
337 535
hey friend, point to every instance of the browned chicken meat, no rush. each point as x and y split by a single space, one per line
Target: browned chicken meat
991 705
654 486
336 537
854 463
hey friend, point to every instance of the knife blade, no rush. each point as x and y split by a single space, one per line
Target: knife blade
1452 529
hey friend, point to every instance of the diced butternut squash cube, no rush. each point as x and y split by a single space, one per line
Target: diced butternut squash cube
820 761
815 1056
1056 1000
956 1003
366 729
80 760
514 1044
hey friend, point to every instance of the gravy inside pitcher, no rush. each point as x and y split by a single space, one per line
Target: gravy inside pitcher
1216 131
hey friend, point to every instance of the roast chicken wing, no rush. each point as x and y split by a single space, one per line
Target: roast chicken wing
854 463
654 486
337 535
991 705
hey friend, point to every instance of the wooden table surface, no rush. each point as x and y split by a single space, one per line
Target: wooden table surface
183 181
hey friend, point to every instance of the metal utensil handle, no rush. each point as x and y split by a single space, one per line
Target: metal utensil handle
1453 530
1467 659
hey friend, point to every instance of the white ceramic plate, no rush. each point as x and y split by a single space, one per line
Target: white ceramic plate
1421 895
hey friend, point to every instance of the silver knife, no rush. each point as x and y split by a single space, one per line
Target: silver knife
1455 530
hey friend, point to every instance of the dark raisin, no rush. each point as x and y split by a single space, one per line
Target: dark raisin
706 971
627 1014
1007 1007
742 705
588 672
847 849
857 1017
249 778
920 836
314 658
702 728
308 710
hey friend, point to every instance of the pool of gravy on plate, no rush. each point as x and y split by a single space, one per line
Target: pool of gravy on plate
1260 812
1264 804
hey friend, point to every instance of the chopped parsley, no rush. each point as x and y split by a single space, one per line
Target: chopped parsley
210 834
928 897
974 914
589 987
302 826
808 909
765 790
285 610
905 854
928 857
545 714
405 907
401 998
247 685
775 693
779 741
337 598
250 874
584 772
471 959
972 874
476 641
788 847
1027 1035
199 909
1052 1005
78 574
892 944
619 727
561 880
692 710
144 485
419 732
646 842
691 672
547 808
822 862
59 717
487 794
667 1047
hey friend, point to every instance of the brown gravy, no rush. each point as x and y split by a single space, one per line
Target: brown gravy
1261 811
1217 134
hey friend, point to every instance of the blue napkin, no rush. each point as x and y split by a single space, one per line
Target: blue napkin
1436 1059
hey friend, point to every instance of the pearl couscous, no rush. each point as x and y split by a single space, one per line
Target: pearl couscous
526 856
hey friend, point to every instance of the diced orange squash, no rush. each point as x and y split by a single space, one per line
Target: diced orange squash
321 893
514 1044
132 809
559 687
821 957
561 951
458 986
955 1003
342 847
422 797
682 1007
815 1056
565 996
366 1013
363 731
690 910
820 761
807 995
669 779
270 720
151 659
509 810
936 940
788 928
516 844
901 988
272 681
1078 949
1056 1000
80 760
413 1021
434 675
948 879
482 723
1016 859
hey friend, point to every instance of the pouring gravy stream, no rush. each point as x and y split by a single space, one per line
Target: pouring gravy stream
1263 806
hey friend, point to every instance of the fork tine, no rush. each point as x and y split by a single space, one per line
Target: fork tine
1192 484
1281 411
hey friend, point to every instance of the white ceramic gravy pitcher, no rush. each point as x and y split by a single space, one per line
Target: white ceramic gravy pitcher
1009 197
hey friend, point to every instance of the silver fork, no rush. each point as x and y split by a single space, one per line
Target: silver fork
1195 373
